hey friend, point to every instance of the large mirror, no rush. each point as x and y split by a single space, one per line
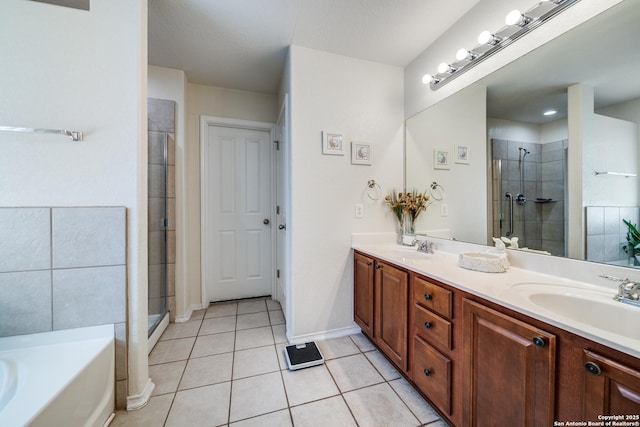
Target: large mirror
559 184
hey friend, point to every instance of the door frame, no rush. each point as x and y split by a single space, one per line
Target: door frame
205 122
285 253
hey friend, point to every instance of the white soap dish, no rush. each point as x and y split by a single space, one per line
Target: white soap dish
483 261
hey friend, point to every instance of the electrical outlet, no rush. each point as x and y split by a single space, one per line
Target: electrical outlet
359 210
444 210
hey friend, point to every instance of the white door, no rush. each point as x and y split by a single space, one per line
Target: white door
238 197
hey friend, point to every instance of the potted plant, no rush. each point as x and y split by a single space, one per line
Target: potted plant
632 248
406 207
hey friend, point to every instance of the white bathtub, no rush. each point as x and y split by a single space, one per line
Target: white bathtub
60 378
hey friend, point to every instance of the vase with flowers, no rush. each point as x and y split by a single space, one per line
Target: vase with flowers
406 206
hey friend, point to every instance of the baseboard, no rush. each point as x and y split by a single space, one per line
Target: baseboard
139 401
325 335
187 316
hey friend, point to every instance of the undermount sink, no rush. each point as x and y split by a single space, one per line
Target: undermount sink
590 306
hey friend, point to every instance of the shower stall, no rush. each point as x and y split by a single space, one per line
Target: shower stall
161 207
529 194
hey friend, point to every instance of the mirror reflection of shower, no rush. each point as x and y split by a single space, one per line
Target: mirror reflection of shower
529 193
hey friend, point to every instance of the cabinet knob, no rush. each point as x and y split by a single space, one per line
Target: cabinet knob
538 342
369 264
427 372
428 325
427 296
593 368
378 267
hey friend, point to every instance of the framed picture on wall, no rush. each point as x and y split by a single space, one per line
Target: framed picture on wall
360 153
462 154
332 143
440 158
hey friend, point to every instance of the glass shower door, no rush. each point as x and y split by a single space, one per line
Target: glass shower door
157 225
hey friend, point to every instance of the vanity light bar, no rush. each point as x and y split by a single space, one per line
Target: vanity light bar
517 25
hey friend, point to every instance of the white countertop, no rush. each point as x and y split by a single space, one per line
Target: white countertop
495 287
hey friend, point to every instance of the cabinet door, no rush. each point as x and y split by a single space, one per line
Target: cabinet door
511 369
363 293
610 388
391 315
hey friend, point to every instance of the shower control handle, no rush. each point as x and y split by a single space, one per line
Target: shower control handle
265 221
282 227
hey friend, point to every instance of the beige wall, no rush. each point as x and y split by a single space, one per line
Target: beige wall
218 102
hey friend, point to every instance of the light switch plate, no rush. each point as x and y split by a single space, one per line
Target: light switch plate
359 210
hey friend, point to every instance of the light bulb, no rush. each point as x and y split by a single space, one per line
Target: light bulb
515 17
549 112
445 68
486 37
463 54
427 78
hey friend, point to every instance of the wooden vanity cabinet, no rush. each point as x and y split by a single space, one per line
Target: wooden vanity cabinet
433 357
391 316
363 292
482 364
510 369
381 295
610 388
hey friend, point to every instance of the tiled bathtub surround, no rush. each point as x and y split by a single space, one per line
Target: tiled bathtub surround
606 233
63 268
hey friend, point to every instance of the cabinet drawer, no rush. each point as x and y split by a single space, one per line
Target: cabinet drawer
433 297
432 374
431 327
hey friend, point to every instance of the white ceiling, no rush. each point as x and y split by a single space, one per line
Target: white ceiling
603 53
242 44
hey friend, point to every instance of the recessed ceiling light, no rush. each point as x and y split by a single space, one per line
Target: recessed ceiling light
550 112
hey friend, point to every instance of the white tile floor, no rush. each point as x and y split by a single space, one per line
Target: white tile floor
225 367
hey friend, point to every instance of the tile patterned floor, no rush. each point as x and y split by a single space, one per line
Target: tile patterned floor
225 367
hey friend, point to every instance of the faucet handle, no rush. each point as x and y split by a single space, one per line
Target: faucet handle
624 280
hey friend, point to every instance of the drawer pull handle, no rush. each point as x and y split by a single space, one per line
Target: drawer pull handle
428 325
427 372
538 342
593 368
427 296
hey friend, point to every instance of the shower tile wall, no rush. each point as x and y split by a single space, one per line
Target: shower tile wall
538 225
161 121
606 233
553 176
63 268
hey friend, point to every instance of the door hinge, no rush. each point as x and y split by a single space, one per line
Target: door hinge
277 145
278 274
277 210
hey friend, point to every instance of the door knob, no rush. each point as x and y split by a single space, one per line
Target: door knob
266 221
282 227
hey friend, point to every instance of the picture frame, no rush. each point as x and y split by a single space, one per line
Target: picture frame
360 153
441 158
462 154
332 143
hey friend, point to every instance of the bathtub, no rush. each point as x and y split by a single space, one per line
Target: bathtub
60 378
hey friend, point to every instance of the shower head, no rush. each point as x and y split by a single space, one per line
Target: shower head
525 150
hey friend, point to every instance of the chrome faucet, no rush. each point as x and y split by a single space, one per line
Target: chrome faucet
425 246
628 291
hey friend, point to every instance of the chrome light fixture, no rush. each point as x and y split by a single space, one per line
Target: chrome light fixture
517 24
